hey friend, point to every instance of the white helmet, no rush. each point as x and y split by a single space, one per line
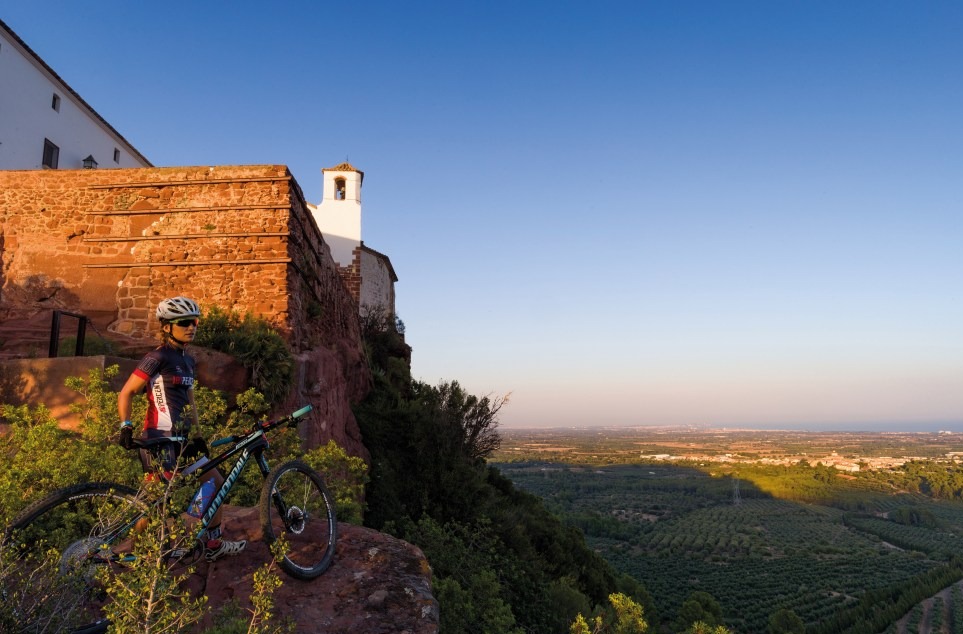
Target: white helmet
177 308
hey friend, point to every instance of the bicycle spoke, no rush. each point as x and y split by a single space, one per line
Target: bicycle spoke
298 509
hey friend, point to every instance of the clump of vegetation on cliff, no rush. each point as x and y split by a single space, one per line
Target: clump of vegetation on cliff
501 562
256 344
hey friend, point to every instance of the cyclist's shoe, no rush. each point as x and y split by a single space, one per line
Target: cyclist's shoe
217 548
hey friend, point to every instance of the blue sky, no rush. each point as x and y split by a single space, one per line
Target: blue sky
622 213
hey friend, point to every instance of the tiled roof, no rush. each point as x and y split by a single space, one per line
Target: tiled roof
344 167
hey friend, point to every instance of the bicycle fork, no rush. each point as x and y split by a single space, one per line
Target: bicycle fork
293 522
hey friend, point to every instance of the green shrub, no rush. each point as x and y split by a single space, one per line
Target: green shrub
93 346
148 596
470 574
231 619
39 457
345 477
256 344
36 597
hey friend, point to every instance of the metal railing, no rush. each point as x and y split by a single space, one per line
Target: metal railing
55 333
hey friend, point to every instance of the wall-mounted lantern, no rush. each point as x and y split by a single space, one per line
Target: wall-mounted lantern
90 163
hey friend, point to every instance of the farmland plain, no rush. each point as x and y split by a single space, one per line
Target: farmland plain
853 532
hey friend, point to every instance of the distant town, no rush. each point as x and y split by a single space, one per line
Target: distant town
845 451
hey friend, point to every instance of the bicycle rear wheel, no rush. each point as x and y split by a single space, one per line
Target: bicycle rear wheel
61 541
296 507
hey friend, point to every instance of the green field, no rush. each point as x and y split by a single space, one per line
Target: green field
681 528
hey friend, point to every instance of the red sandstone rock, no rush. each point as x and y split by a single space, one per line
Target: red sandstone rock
376 585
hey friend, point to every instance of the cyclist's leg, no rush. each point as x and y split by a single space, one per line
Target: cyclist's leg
215 546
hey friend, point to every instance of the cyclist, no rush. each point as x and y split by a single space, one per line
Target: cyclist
167 373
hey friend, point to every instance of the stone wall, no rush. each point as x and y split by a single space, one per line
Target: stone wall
351 275
111 243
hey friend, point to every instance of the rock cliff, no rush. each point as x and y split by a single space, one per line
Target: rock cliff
376 585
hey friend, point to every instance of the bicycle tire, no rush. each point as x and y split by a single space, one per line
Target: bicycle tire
73 524
296 506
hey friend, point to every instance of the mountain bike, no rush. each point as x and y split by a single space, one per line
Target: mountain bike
94 524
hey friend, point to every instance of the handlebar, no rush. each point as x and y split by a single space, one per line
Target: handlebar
222 441
301 412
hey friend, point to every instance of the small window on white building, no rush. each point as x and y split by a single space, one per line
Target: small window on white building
116 155
55 102
51 154
339 189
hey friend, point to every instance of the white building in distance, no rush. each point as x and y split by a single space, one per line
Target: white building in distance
44 123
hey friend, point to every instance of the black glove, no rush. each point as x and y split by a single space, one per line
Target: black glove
127 437
194 448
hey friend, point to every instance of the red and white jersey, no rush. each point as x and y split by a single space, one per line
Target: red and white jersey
169 373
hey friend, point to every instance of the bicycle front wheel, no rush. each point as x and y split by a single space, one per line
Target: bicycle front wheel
61 541
296 507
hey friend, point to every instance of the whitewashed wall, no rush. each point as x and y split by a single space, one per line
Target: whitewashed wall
27 118
340 220
377 285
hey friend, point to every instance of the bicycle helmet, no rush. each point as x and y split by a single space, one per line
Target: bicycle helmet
177 308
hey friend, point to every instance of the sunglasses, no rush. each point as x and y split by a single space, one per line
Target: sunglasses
185 323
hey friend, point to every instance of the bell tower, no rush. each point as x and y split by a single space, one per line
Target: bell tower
339 214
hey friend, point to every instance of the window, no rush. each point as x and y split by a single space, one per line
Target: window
339 184
55 102
116 155
51 154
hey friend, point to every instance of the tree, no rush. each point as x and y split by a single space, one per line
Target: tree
698 607
786 622
476 418
469 568
628 615
624 616
701 627
500 559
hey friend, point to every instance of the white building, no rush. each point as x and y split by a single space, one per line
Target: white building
45 124
377 281
339 213
368 273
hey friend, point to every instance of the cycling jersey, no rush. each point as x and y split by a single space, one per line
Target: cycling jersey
169 373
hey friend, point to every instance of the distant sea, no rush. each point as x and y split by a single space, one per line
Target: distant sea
946 426
955 427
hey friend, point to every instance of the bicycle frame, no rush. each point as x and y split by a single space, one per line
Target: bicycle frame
255 444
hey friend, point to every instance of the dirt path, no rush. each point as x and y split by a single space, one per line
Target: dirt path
927 620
